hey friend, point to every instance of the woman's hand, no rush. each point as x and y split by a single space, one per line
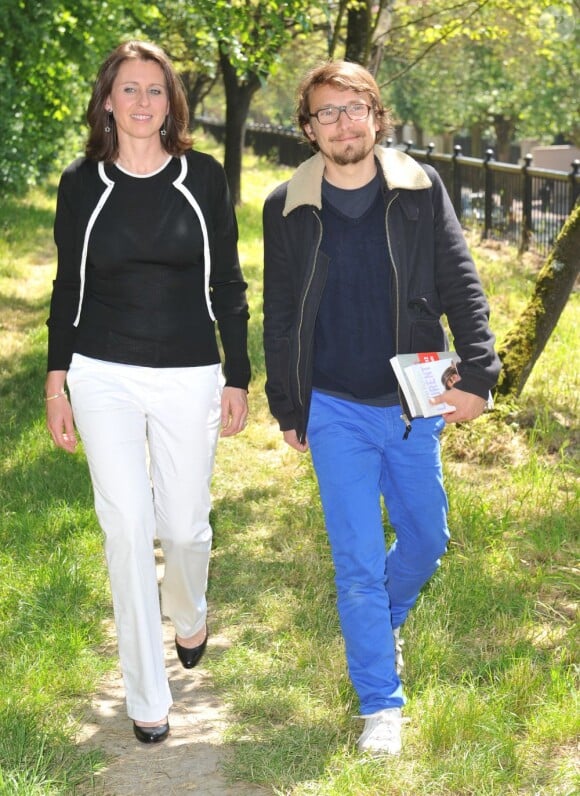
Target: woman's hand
59 417
234 411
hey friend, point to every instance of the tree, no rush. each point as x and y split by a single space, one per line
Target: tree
251 34
239 39
38 93
524 343
48 53
239 89
507 67
186 32
516 94
367 25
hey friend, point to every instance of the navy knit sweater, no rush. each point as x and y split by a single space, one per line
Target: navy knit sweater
353 334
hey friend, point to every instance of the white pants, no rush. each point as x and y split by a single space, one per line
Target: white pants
150 436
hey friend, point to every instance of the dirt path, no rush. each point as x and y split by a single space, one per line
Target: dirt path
187 762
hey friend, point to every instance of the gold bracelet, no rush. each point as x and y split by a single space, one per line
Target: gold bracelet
57 395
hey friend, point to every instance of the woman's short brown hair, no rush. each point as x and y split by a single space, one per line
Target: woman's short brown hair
102 145
345 76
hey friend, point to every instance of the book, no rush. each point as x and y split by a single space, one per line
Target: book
423 376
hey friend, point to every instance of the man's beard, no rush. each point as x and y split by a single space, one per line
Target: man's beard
351 154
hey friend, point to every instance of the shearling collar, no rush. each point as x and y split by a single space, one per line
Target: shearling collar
399 170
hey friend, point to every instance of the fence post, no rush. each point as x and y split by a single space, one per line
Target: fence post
526 205
408 146
574 186
488 193
456 180
429 152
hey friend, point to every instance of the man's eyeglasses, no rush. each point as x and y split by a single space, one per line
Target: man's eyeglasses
356 112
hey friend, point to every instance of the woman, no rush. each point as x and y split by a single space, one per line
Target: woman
147 261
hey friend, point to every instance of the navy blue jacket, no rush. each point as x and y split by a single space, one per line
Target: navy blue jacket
433 275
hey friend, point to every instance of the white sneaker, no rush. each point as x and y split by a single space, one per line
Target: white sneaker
399 662
382 733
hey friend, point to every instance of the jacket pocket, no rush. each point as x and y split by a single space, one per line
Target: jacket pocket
409 205
426 330
426 306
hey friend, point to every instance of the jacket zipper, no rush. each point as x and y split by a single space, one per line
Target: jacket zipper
300 324
404 416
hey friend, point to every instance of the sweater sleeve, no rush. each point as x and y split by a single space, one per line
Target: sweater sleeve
227 285
66 285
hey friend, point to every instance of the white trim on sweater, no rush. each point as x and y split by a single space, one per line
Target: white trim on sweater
206 251
94 215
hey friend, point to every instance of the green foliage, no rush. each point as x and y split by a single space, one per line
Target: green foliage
37 81
48 53
252 33
484 64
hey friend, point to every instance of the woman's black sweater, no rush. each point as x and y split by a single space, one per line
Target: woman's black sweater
145 266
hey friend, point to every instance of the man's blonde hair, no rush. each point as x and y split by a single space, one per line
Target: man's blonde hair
345 76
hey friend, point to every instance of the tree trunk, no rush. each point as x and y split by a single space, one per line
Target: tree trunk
367 26
358 33
197 87
419 136
476 141
239 93
381 26
504 131
527 339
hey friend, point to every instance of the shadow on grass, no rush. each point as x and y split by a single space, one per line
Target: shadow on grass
20 314
27 228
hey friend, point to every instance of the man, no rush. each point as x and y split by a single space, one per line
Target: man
363 255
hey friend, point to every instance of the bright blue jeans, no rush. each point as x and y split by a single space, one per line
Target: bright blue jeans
359 454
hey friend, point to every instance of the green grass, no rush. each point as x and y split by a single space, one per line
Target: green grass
491 648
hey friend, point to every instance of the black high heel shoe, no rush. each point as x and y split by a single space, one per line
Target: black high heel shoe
151 734
191 657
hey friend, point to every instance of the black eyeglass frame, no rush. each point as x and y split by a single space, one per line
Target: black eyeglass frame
342 109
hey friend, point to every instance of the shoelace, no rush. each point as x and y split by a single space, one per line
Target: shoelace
379 715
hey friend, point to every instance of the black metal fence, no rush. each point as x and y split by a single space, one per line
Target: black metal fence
520 204
523 205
